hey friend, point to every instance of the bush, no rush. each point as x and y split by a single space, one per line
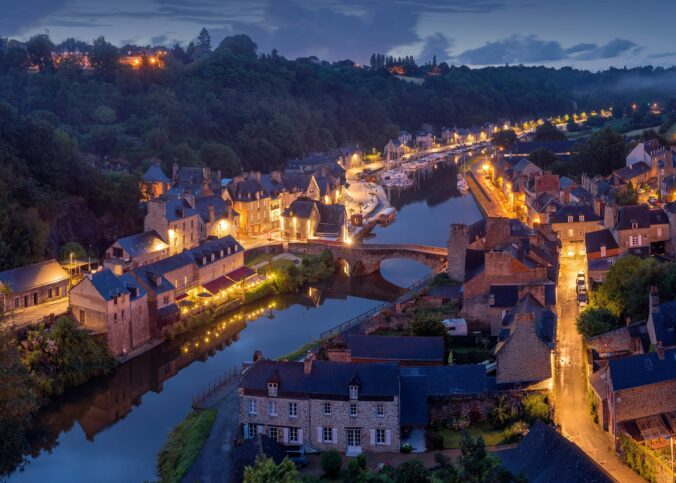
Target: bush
406 448
535 407
515 432
435 440
331 463
595 320
412 471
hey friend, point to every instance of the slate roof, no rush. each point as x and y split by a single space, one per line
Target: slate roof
664 323
581 194
658 217
326 379
301 208
178 208
545 320
296 182
169 264
556 147
142 243
626 215
544 200
523 164
545 456
505 296
214 246
630 172
131 283
642 369
245 190
108 285
154 174
561 215
221 207
396 348
565 182
147 277
31 276
413 401
593 240
451 380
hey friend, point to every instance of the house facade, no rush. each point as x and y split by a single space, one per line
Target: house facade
134 251
351 408
176 221
571 224
33 285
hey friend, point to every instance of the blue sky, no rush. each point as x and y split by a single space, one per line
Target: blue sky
592 34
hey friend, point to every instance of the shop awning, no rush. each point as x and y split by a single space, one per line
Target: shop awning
216 285
180 297
242 273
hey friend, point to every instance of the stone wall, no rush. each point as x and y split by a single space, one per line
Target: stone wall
457 248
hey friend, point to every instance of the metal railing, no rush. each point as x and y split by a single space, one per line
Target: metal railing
231 376
363 317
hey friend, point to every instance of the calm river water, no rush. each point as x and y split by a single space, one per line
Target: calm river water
111 429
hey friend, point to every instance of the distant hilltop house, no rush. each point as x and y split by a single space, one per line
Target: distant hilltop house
344 158
33 285
424 139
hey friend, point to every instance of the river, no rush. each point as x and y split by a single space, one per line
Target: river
112 428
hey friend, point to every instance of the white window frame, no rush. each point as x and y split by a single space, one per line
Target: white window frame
327 409
274 429
381 436
272 408
294 435
272 389
293 410
252 406
570 219
380 410
354 392
634 240
327 431
353 409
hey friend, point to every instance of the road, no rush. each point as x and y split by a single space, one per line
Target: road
493 201
571 408
36 313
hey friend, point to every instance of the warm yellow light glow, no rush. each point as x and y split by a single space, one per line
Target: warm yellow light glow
224 225
485 167
348 241
171 233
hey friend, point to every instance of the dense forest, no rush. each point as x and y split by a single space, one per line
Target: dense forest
74 140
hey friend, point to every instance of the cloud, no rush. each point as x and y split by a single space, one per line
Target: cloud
530 49
19 15
662 55
436 44
159 40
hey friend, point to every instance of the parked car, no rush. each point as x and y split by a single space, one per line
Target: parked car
297 455
580 285
582 299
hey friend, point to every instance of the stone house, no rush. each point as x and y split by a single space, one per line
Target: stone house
252 202
33 285
134 251
424 139
351 408
305 219
405 350
179 270
394 150
571 224
638 229
525 348
601 251
175 220
217 217
216 258
650 153
405 137
154 183
162 308
114 306
636 174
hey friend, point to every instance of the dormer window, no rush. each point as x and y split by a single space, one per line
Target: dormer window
634 225
354 392
213 257
570 218
204 260
228 250
222 253
272 389
581 218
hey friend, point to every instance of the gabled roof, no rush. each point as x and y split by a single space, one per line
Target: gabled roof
130 283
627 215
396 348
108 285
451 380
523 164
154 174
658 217
630 172
595 239
642 369
35 275
213 246
561 215
149 279
220 206
142 243
413 401
580 193
178 208
565 182
664 323
544 319
169 264
245 190
545 456
301 208
326 379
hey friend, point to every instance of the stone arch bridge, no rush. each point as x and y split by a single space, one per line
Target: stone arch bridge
364 259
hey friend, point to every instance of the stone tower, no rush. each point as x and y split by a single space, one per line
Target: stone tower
457 250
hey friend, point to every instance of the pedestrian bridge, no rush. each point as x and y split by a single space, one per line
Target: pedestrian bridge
364 259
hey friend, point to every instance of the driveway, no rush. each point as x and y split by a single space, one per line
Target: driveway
33 314
572 412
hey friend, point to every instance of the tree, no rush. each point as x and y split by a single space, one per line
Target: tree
104 115
331 463
427 325
40 48
596 320
543 158
535 407
204 40
412 471
221 157
474 463
103 139
265 470
104 57
548 132
72 248
504 138
602 154
626 197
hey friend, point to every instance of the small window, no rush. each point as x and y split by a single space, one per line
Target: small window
634 225
49 293
16 302
272 408
354 392
570 218
58 291
252 406
581 218
603 251
327 409
122 314
380 436
272 389
659 232
327 435
293 409
273 432
166 300
380 410
635 241
115 316
293 435
353 409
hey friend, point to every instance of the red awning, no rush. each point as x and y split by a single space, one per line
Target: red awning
180 297
216 285
242 273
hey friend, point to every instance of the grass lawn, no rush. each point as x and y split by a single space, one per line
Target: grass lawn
184 444
261 257
492 437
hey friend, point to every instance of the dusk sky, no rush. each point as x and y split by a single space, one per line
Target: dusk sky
592 34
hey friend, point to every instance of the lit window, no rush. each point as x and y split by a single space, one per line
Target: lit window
380 436
293 409
581 218
635 241
570 218
353 409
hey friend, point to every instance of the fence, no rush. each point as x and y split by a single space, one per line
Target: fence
199 399
361 318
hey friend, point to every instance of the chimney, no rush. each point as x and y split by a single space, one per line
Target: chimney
206 174
659 348
609 216
257 356
174 171
654 300
212 213
307 363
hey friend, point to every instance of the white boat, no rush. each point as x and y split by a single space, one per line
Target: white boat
462 185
